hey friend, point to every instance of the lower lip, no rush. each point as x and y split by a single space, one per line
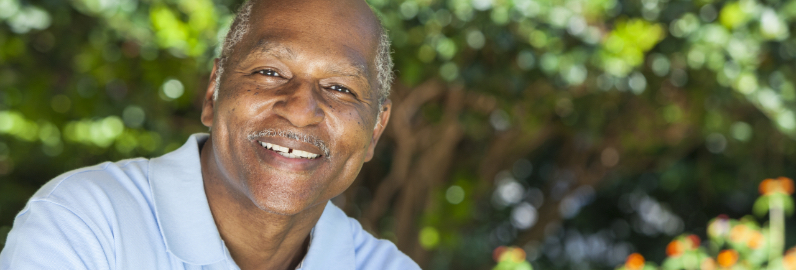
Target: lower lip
279 161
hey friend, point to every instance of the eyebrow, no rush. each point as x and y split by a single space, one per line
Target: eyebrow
274 48
356 70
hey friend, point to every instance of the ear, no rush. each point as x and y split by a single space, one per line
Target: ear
209 102
381 124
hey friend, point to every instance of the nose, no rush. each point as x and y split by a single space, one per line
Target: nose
300 105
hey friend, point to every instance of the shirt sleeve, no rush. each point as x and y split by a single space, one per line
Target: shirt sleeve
47 235
373 253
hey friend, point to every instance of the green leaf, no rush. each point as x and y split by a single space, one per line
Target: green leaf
672 263
523 266
761 206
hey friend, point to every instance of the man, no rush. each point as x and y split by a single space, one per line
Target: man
295 105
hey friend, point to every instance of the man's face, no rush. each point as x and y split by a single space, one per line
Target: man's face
304 69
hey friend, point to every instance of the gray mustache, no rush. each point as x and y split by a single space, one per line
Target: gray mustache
293 136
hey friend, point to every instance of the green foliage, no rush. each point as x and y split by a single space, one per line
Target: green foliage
762 204
625 47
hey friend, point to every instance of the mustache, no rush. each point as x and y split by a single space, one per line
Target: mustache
272 132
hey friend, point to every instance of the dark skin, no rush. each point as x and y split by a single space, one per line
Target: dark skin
305 67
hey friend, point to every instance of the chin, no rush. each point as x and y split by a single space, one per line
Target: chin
280 210
284 202
283 208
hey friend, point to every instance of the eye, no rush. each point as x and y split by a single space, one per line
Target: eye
269 72
341 89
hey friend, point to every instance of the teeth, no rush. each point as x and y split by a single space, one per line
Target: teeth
285 152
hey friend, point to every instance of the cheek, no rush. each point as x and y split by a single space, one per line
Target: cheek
234 111
352 135
244 104
355 128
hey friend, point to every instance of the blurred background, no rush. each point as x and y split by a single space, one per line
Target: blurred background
580 131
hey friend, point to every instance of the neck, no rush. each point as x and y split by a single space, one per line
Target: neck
256 238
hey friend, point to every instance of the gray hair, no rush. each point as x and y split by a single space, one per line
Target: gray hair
240 26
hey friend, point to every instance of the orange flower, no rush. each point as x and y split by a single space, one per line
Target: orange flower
675 249
634 261
518 254
498 252
708 264
739 233
727 257
504 253
682 244
743 234
755 240
789 262
781 184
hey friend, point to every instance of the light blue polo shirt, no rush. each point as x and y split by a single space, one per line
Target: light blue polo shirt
153 214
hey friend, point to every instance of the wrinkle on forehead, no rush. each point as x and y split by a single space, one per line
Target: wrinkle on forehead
347 30
354 17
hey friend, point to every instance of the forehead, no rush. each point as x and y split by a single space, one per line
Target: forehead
342 28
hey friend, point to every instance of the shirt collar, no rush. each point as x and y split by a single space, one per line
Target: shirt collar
181 206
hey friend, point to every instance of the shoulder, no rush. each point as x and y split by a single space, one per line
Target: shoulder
79 217
73 218
373 253
108 177
98 190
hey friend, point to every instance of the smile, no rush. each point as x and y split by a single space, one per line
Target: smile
288 152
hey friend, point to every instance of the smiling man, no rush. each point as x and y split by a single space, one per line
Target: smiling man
295 106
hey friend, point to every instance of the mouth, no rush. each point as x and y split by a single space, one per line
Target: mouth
288 152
